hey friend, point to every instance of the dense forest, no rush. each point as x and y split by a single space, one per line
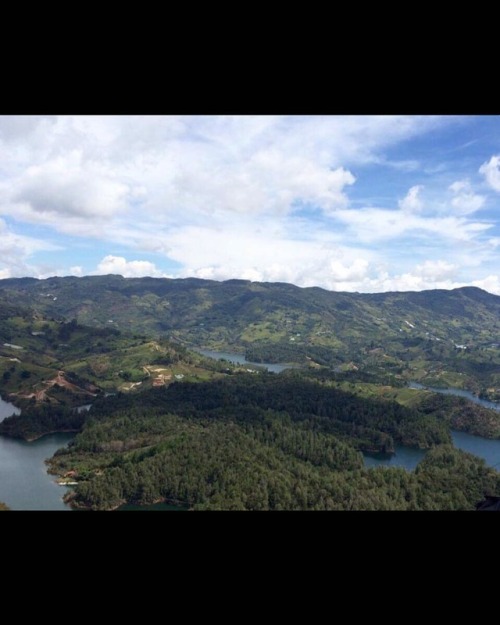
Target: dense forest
259 442
38 420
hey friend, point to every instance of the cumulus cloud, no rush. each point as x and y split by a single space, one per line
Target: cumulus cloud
427 275
67 187
61 168
263 198
267 252
491 171
490 283
411 203
436 269
286 179
128 268
327 273
465 201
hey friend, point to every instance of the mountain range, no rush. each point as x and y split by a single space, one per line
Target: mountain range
438 337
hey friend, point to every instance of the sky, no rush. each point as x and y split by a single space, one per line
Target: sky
346 203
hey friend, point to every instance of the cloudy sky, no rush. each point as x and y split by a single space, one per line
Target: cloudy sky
346 203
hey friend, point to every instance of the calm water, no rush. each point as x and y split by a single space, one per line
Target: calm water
239 359
406 457
26 485
24 481
459 392
486 448
6 409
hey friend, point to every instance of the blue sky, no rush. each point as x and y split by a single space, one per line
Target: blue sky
346 203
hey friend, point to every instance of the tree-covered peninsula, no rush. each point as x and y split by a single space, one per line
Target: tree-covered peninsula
263 443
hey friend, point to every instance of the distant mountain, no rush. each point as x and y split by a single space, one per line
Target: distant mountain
447 338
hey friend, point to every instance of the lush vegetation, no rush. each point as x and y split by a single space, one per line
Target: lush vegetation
457 412
37 420
206 435
369 425
63 363
442 338
263 442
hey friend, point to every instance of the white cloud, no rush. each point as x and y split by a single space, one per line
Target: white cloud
491 171
411 203
63 169
436 269
465 201
16 251
229 197
128 269
69 187
490 283
327 273
370 225
459 186
267 252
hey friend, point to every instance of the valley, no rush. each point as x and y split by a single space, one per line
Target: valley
169 423
439 338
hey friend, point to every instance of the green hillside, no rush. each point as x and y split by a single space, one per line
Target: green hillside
441 338
63 363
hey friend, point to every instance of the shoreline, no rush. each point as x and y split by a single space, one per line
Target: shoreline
35 438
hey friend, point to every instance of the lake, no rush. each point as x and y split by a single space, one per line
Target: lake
24 481
26 485
407 457
6 409
239 359
486 448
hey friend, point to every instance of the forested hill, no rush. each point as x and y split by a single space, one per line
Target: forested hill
263 442
447 338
